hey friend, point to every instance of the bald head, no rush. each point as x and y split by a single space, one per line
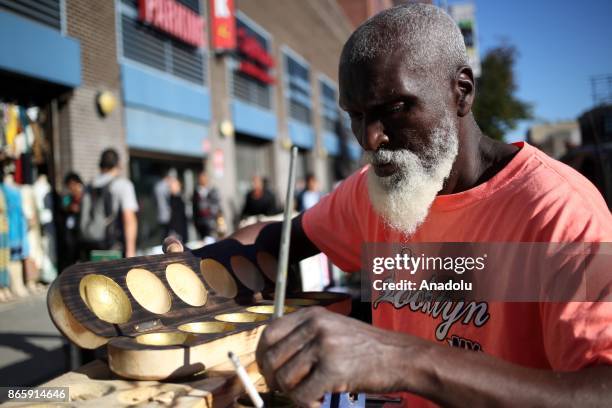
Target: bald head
428 37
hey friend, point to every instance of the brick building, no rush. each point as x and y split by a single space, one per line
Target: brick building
180 104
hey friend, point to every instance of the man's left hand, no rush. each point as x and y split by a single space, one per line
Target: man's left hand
313 351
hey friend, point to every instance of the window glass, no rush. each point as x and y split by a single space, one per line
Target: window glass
149 46
245 87
298 80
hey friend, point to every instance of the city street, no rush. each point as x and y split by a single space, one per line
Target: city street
31 349
344 203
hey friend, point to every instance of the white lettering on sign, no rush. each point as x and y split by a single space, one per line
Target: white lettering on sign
173 18
222 9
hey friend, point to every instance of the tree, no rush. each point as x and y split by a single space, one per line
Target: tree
496 109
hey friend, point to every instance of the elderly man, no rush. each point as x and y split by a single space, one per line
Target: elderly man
434 177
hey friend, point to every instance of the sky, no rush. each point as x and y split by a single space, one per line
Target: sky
561 44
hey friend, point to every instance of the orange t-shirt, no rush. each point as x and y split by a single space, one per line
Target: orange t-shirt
533 199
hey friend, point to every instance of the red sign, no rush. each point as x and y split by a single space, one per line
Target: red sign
256 72
256 59
174 19
223 24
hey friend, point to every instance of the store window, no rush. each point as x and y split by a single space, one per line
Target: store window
298 88
329 107
47 12
149 46
252 85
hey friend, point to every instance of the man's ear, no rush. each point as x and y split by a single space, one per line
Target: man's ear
465 90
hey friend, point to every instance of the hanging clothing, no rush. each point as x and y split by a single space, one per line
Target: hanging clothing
26 153
40 146
18 170
44 206
3 119
18 229
34 235
12 125
5 250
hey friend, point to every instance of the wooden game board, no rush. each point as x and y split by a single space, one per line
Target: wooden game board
171 316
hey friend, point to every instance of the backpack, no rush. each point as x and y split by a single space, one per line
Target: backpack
98 228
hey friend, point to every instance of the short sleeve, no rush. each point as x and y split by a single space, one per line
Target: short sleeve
333 224
126 195
577 334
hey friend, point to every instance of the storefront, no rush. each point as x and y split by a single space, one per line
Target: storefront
341 149
39 66
147 169
332 143
164 80
252 108
298 91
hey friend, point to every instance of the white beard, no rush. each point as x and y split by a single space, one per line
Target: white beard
404 198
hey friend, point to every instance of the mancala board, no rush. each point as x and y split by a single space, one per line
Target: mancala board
174 315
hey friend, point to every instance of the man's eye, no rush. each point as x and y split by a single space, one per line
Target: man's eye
397 107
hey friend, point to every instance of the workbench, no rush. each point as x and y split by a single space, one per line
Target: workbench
94 385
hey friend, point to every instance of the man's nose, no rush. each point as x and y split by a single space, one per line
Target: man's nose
374 136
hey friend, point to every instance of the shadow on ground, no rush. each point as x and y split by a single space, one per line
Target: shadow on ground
41 364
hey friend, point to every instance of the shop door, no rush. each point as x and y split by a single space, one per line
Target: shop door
145 173
252 158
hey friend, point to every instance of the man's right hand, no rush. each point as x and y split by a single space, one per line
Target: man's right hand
172 245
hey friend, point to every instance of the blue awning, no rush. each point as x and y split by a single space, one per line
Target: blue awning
34 50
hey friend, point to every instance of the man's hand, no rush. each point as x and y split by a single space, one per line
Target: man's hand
313 351
172 244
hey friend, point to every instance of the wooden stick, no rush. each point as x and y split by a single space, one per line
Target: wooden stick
283 256
246 381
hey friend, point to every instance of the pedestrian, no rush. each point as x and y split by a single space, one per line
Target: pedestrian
177 224
260 200
108 212
71 217
206 203
310 195
162 201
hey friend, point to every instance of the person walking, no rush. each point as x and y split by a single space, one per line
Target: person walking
259 200
162 201
177 223
70 219
108 213
311 195
206 203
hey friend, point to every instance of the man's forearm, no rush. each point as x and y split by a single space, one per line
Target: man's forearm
266 236
459 378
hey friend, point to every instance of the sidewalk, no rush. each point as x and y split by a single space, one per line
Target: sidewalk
31 349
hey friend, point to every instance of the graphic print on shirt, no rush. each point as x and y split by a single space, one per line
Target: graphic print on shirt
439 304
